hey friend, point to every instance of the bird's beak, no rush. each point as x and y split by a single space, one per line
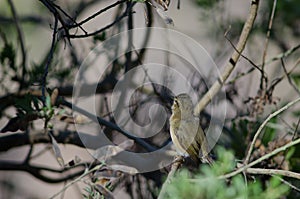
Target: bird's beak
172 98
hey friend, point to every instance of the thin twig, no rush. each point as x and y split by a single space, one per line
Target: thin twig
113 126
288 183
97 14
76 180
39 171
50 57
283 55
262 86
22 42
276 151
277 57
264 124
117 20
247 59
289 174
296 129
288 77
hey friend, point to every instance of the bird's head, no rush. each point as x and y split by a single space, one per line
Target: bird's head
183 104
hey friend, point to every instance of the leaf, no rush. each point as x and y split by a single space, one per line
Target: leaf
8 53
54 96
48 103
296 79
57 151
290 153
100 37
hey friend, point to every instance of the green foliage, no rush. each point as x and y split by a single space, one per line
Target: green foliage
296 78
27 104
206 185
287 10
91 193
207 3
241 129
100 37
270 132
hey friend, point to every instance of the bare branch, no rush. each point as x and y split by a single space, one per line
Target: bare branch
215 88
175 166
263 83
37 171
264 124
267 156
289 174
21 39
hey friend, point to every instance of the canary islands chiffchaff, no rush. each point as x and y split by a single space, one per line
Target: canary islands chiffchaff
186 132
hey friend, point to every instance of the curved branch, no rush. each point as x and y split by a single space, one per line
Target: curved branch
267 156
125 14
97 14
22 139
110 125
264 124
37 171
21 39
216 87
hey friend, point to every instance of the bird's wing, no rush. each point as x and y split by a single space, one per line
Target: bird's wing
190 138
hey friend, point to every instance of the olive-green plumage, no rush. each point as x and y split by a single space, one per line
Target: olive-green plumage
186 132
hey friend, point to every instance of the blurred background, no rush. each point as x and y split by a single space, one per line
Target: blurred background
43 44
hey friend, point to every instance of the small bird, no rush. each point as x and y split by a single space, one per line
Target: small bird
186 132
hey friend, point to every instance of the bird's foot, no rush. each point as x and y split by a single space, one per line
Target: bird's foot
178 159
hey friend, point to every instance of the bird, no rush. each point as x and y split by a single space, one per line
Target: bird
186 132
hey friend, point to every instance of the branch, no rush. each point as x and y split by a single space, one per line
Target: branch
262 86
264 124
97 14
175 166
110 125
289 174
104 86
38 171
24 19
284 55
267 156
117 20
22 139
50 57
87 172
21 39
216 87
287 74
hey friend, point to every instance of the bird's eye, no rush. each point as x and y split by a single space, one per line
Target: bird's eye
176 102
